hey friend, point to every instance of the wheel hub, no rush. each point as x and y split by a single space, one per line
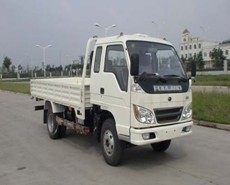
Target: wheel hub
108 142
50 123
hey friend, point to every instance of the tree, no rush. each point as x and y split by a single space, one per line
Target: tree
6 63
19 68
48 68
59 68
13 67
36 68
226 41
68 67
189 63
217 56
183 60
200 61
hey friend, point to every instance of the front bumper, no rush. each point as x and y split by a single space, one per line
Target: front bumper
161 133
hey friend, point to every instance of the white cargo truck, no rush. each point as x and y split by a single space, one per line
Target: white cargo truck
136 93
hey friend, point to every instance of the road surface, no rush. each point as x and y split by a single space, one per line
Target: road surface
29 157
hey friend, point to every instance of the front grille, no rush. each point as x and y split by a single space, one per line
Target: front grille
168 115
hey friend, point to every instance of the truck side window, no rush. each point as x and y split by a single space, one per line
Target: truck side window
97 60
115 63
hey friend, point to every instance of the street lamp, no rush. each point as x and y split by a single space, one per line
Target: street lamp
44 55
106 29
155 24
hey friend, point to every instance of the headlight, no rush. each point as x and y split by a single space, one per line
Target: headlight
143 115
187 113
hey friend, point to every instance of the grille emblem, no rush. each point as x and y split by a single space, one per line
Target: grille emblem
169 98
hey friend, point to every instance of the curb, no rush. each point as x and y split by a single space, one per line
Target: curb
14 92
212 125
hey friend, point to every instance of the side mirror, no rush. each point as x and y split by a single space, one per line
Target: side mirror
134 64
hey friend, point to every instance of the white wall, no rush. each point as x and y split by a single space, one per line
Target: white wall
205 47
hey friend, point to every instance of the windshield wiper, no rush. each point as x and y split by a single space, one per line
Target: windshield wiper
182 79
145 75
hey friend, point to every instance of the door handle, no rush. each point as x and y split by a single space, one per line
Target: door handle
102 90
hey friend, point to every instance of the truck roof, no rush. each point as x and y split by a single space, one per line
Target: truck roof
124 38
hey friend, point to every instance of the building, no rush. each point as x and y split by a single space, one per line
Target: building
191 46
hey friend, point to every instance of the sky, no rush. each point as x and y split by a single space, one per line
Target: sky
68 24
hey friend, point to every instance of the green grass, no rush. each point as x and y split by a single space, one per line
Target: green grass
213 80
15 86
213 107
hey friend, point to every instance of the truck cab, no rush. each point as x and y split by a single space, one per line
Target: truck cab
141 82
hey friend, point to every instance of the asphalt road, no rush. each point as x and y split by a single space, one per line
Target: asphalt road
29 157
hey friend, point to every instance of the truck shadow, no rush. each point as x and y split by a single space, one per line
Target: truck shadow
144 157
137 157
85 143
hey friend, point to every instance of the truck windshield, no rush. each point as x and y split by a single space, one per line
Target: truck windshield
156 58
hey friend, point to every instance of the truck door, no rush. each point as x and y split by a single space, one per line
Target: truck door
113 86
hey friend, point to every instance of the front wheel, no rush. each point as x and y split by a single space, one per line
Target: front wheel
161 146
112 147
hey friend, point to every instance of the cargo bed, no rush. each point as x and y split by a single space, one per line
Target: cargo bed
64 91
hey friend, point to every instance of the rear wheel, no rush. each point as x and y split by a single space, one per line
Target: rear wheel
112 147
161 146
55 131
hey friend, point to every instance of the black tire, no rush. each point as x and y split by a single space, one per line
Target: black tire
112 147
161 146
55 131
